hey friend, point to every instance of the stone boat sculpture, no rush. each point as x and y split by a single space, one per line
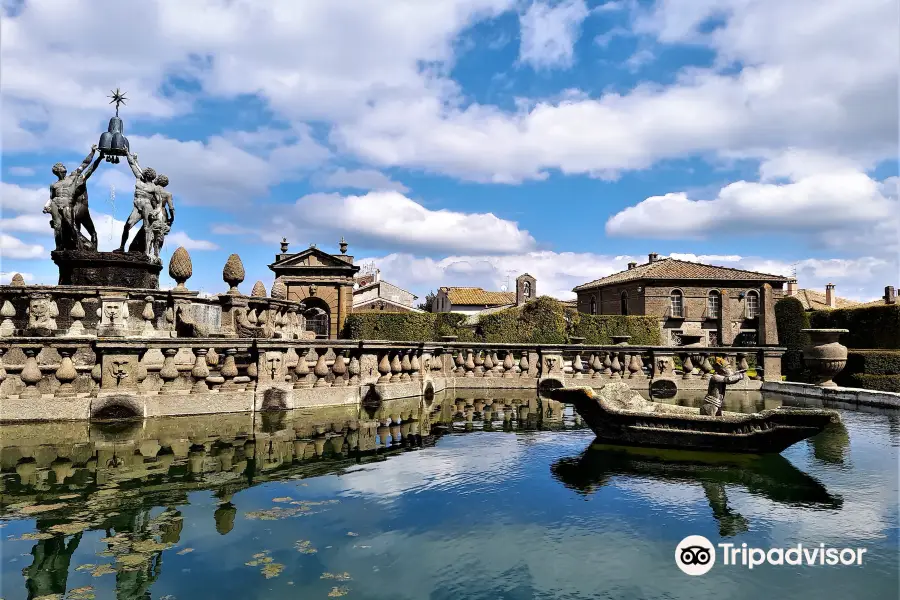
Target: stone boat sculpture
618 415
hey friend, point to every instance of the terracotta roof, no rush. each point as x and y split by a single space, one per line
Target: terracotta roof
388 303
479 297
671 268
815 300
879 302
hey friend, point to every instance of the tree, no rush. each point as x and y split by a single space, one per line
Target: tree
429 302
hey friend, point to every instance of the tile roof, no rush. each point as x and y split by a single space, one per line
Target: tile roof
671 268
479 297
815 300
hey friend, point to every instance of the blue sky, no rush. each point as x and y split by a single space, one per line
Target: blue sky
461 142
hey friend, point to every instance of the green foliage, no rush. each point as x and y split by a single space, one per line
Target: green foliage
544 320
599 329
429 302
406 327
541 321
882 383
791 319
873 362
869 327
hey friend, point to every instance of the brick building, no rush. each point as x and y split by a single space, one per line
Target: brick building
474 300
373 294
721 305
322 281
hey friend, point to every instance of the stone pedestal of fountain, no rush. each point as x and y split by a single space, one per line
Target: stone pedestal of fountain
133 270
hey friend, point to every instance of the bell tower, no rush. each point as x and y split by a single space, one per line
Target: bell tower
526 289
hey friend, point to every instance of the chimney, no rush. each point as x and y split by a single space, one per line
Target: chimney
830 298
890 296
792 287
377 275
631 265
652 257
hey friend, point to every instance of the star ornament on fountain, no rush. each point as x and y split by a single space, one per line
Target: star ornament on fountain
118 98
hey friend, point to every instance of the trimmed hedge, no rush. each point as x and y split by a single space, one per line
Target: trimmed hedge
544 320
881 383
541 321
870 327
599 329
791 319
873 362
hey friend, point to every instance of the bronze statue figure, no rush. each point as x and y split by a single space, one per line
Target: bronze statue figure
161 216
715 394
144 199
68 205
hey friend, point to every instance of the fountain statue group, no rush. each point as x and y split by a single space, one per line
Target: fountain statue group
77 254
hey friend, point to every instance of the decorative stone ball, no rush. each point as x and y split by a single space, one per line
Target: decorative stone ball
279 290
259 290
233 273
17 279
180 267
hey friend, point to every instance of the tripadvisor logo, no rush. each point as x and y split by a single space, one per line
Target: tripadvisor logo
696 555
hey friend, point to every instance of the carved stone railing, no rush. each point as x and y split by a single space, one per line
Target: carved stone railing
82 377
76 311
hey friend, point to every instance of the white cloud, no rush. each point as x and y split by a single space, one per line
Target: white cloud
549 33
11 247
21 171
27 223
837 208
360 179
25 200
180 238
390 219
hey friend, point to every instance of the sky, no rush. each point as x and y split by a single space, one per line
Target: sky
465 142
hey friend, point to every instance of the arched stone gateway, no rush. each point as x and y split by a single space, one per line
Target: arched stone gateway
550 383
116 407
663 388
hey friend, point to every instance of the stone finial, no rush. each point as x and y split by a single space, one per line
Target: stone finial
259 290
279 289
180 268
18 280
233 273
284 245
343 245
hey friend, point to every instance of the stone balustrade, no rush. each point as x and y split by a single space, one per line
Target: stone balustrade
85 377
77 311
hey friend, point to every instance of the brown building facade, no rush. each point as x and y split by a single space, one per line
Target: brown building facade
323 282
715 306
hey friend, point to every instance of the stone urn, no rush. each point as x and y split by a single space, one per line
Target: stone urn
825 356
620 340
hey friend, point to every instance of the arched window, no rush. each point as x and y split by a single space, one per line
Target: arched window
623 303
526 290
593 306
676 304
713 304
752 304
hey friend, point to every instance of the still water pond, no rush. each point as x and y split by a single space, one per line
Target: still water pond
460 498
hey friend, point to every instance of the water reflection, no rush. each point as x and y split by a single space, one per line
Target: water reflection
116 476
771 476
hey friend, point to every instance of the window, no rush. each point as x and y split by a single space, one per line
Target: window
752 304
593 306
676 304
713 304
676 337
623 303
713 338
526 290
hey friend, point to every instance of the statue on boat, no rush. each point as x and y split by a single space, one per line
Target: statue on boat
715 394
619 415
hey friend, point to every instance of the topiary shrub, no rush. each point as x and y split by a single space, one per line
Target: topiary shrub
544 320
881 383
398 327
599 329
869 327
791 319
